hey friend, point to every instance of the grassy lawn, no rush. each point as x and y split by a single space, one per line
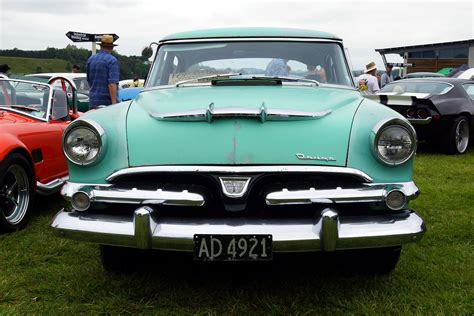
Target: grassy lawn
40 273
20 65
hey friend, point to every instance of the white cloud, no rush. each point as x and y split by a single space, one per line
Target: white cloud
364 26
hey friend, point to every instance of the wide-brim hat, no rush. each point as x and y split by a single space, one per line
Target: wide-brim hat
370 66
107 41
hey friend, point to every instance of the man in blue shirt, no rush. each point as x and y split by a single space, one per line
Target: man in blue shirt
278 68
103 74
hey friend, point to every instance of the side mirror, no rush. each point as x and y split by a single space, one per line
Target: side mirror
59 107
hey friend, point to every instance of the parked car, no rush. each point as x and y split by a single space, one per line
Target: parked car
125 84
128 94
33 116
467 74
80 81
423 75
238 167
440 109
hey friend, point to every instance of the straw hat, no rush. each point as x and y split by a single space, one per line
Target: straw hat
107 41
370 66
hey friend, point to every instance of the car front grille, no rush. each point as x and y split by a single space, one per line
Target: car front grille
252 204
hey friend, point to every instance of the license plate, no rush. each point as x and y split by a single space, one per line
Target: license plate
232 247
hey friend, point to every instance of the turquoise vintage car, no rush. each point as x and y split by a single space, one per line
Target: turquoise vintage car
245 142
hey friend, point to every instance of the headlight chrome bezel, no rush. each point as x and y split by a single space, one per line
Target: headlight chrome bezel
93 127
381 127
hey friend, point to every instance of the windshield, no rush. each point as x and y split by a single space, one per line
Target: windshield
433 88
27 97
322 61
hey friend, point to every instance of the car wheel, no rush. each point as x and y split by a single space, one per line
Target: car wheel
118 259
16 193
457 139
378 260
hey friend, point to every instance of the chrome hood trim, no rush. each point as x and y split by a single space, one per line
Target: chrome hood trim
263 114
239 170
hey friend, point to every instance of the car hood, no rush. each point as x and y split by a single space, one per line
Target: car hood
235 140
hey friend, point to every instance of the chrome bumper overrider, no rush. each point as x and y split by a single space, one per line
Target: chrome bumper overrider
327 231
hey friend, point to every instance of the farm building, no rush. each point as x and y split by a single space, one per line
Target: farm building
433 57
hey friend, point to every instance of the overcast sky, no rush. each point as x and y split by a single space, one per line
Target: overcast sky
363 25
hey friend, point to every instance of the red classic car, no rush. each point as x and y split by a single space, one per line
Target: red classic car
33 116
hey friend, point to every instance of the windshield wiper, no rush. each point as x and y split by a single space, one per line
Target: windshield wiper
283 78
208 78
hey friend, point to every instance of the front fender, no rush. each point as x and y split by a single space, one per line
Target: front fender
360 154
112 120
10 143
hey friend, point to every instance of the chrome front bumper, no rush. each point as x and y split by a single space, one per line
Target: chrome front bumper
326 232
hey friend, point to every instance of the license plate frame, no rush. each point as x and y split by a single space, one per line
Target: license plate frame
257 247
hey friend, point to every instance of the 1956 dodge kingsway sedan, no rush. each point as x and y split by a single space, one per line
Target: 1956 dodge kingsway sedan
244 143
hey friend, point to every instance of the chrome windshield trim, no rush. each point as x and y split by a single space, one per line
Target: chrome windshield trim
368 193
50 100
239 170
247 39
262 113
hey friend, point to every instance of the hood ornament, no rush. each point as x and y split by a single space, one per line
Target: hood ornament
319 158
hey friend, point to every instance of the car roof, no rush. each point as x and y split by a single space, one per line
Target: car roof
245 32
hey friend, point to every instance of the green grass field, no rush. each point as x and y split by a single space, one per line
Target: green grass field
24 66
43 274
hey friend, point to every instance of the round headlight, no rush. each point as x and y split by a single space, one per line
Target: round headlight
82 143
395 142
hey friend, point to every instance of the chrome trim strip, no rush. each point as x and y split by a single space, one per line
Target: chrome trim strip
369 193
248 39
135 196
417 121
326 232
262 113
50 187
240 169
6 108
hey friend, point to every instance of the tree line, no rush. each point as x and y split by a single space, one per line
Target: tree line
130 66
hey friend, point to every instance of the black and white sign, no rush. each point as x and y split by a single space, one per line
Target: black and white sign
232 247
87 37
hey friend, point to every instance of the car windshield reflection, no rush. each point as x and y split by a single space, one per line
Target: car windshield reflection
27 97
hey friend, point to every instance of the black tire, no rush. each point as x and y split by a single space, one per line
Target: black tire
16 193
456 141
377 260
118 259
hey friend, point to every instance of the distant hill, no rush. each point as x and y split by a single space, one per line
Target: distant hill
23 66
61 60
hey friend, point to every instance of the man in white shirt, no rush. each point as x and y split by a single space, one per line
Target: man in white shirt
368 83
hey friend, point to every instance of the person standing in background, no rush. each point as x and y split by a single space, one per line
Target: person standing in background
368 83
4 68
103 74
387 76
76 69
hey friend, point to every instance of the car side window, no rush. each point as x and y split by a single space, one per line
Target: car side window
469 87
